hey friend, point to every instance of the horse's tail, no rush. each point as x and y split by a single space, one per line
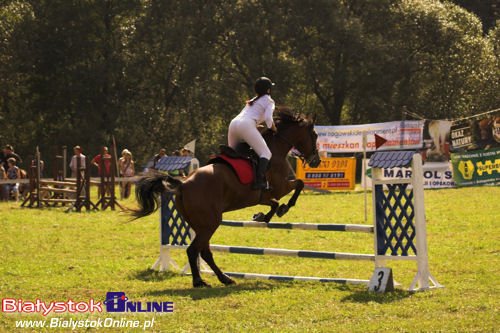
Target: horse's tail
147 190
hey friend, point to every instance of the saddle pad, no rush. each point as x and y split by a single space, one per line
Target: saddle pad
241 167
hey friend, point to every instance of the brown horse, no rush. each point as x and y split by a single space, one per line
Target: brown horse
214 189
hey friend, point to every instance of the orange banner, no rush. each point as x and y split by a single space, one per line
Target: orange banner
334 173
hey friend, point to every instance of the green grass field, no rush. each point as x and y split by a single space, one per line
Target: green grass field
55 256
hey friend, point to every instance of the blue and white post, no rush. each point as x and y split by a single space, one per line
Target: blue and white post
399 215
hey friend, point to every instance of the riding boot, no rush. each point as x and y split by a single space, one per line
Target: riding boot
260 177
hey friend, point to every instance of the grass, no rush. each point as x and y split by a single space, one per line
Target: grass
54 256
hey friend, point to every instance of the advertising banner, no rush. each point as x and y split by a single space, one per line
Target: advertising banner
476 168
436 175
349 139
481 132
436 141
332 174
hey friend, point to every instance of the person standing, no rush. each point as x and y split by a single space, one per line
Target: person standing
243 128
77 150
177 172
106 159
7 153
13 173
4 194
158 157
127 169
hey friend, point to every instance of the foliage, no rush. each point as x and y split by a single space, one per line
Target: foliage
161 73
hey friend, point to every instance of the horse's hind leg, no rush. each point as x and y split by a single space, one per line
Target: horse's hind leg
206 254
193 251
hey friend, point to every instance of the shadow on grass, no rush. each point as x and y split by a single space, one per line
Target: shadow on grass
242 285
381 298
150 275
219 290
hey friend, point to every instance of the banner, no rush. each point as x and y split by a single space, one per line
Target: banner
436 141
334 173
481 132
476 168
349 139
436 175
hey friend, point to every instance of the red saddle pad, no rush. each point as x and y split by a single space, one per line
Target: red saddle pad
242 168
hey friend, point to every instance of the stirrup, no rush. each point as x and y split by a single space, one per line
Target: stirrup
262 186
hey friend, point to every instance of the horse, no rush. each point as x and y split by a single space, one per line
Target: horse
210 191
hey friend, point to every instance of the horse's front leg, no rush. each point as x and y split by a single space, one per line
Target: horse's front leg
261 217
296 184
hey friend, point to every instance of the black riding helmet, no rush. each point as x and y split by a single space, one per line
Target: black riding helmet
262 85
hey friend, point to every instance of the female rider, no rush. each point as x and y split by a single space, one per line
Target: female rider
243 127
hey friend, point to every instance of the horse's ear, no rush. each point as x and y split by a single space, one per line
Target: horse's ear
313 118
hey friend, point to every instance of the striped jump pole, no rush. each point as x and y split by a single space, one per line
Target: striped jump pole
283 252
398 228
288 278
301 226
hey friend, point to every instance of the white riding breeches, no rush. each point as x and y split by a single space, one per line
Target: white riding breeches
245 130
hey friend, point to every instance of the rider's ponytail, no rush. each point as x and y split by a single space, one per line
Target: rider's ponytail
251 101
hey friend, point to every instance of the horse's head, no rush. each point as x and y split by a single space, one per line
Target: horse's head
299 132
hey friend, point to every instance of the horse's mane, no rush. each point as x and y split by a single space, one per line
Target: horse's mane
285 117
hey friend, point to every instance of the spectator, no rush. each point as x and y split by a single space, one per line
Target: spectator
193 164
7 153
127 169
157 157
13 173
4 194
3 160
73 164
33 164
96 161
179 172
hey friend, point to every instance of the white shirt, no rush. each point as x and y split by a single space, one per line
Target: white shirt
260 111
73 162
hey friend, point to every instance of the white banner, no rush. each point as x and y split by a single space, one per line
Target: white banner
349 139
436 175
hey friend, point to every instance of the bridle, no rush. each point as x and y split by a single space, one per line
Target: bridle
300 155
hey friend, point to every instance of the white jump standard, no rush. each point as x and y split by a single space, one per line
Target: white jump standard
396 236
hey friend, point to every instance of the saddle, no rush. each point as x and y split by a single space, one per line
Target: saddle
243 161
243 150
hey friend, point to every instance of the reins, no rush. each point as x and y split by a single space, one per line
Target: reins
300 154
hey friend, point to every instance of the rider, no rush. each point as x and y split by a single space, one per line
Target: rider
244 127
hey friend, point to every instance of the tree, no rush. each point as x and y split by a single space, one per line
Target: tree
487 10
445 63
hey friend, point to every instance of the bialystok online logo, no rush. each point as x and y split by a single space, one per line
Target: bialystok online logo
115 302
118 302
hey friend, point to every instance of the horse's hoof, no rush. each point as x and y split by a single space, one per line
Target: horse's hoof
227 280
282 210
200 283
259 217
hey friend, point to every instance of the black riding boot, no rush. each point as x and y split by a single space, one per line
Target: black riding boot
260 177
